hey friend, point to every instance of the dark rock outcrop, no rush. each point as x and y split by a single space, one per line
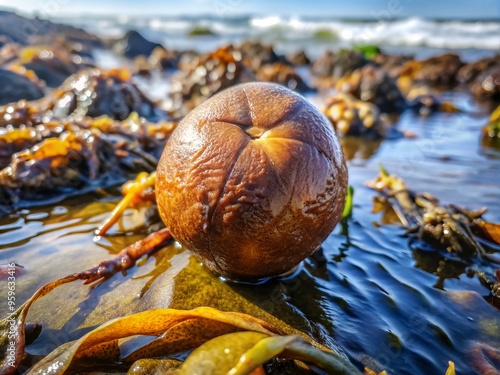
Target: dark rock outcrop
18 29
134 44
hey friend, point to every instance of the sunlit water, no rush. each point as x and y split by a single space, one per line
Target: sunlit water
389 303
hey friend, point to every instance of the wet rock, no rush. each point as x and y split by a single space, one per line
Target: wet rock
435 71
53 65
298 58
337 64
203 76
282 74
352 117
22 30
90 93
163 59
372 84
95 93
65 156
63 161
487 84
425 105
133 44
392 64
15 87
491 131
469 72
258 54
9 52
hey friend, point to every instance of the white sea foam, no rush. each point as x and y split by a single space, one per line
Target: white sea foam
410 32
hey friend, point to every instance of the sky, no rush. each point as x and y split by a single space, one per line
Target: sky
376 9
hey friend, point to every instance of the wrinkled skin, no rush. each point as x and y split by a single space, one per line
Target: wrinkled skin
252 181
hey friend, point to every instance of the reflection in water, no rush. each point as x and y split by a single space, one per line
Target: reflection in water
355 147
389 302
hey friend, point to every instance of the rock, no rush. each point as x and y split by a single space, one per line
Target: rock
436 71
51 64
392 63
487 84
134 44
257 54
94 93
19 29
163 59
372 84
202 76
337 64
471 71
14 87
298 58
283 74
353 117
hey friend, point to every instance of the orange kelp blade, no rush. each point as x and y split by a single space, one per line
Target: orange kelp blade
132 192
12 328
150 323
451 368
241 353
489 231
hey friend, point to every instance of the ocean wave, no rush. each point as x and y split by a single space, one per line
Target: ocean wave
412 32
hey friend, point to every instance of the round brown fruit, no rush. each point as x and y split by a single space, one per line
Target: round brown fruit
252 181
